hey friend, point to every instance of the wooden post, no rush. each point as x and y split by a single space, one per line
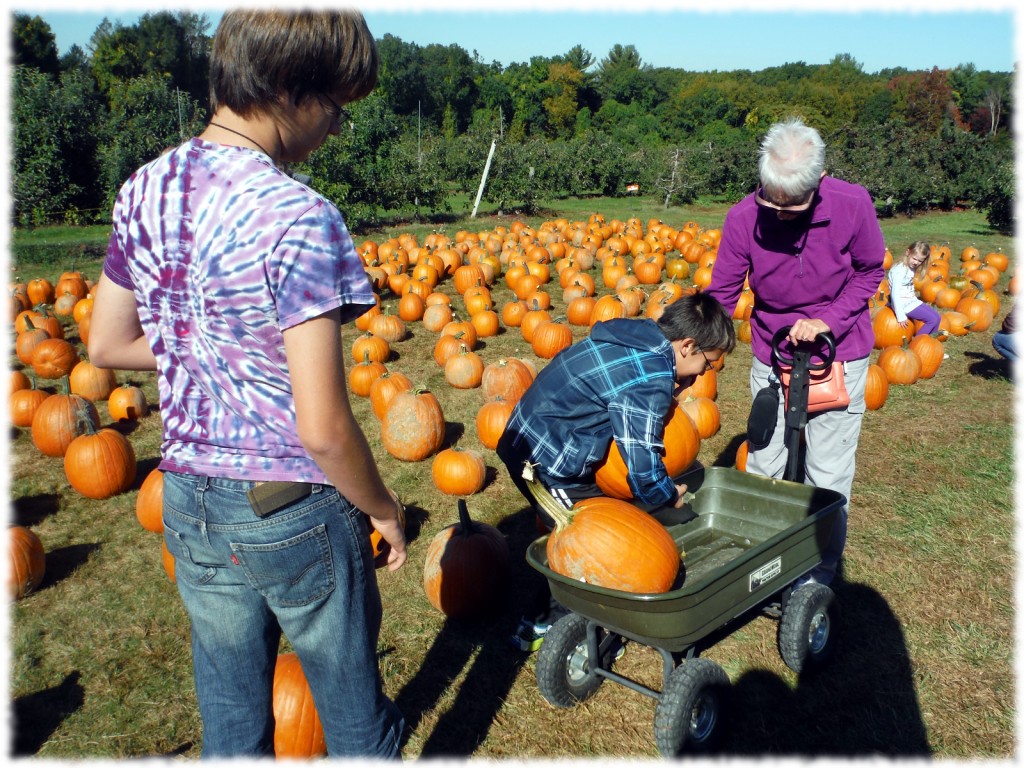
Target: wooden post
483 179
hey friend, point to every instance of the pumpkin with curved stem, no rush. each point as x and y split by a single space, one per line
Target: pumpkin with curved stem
458 471
608 543
413 426
127 402
682 444
149 503
298 732
876 388
27 561
466 567
955 323
977 310
100 463
59 419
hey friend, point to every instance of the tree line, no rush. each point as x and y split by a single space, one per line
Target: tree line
565 125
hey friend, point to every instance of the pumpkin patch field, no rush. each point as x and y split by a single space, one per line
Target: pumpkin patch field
99 662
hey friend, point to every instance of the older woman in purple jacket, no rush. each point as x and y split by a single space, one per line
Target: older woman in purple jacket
812 251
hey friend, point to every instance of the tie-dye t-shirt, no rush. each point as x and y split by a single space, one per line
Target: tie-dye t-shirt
224 252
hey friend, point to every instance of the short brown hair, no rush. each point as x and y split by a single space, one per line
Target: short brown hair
259 54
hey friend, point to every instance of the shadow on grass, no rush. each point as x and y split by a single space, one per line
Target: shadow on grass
35 716
990 366
29 511
484 645
862 703
62 562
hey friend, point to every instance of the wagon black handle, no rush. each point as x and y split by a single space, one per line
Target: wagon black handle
786 359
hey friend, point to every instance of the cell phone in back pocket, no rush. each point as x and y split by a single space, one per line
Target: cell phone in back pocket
267 498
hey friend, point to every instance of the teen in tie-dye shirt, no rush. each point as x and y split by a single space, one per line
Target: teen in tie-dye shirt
232 280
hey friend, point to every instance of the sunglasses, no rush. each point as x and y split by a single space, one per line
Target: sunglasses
337 112
764 202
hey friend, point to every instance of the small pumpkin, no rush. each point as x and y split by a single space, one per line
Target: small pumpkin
741 456
149 504
100 463
298 732
167 560
458 471
127 402
550 338
386 386
608 543
466 567
704 413
27 561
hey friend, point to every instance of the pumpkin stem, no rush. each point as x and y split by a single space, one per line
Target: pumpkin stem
466 524
547 502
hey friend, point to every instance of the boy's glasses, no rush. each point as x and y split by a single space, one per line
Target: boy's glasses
708 365
337 112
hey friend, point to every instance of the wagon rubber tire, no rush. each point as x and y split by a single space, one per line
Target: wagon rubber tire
690 709
807 629
563 669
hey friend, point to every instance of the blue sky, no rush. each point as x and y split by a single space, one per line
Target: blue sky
676 34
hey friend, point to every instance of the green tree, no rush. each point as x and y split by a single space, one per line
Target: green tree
147 116
34 44
563 85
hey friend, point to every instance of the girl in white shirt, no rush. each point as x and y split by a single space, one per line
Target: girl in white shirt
904 300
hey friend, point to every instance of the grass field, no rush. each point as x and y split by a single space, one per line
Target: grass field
99 655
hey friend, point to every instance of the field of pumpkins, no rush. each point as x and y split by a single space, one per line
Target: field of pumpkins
462 324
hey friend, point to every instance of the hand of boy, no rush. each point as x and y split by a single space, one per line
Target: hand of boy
681 498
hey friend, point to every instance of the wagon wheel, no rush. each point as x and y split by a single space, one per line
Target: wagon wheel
807 635
690 709
564 674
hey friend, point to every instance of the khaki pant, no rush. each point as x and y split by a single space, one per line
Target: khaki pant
831 441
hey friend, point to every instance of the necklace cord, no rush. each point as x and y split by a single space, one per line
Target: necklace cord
247 138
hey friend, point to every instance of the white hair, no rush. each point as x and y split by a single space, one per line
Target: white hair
792 159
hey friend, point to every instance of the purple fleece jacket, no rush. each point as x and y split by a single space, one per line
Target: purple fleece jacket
824 264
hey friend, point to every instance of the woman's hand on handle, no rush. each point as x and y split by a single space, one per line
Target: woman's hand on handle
807 329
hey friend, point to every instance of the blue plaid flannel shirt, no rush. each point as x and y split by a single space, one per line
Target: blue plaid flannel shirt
616 383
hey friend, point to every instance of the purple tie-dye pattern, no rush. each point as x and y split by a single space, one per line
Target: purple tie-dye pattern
223 252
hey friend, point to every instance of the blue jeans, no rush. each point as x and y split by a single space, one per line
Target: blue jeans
1003 343
306 570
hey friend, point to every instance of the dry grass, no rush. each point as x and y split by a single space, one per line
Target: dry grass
100 663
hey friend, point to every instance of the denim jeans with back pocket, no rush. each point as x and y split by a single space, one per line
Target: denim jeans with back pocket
306 570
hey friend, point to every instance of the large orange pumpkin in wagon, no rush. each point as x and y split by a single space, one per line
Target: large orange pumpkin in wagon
608 543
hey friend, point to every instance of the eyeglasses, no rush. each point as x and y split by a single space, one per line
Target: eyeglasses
708 365
337 112
764 202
